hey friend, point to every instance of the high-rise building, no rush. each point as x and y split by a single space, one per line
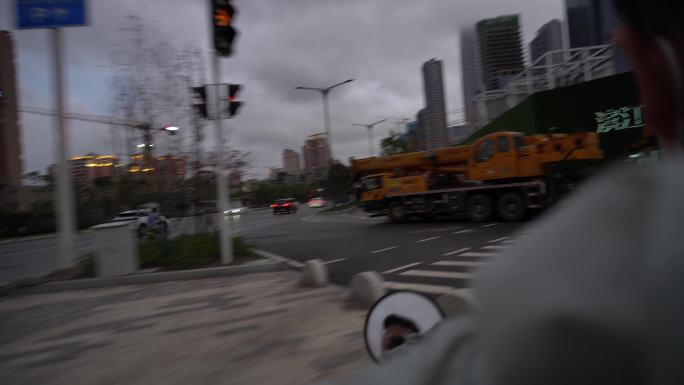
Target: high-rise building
85 169
579 15
163 172
470 74
291 163
549 38
435 128
10 136
411 136
591 23
315 150
170 171
500 48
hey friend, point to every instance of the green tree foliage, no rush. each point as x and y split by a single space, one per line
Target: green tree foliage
338 183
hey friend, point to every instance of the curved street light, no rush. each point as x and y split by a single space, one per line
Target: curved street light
326 111
369 127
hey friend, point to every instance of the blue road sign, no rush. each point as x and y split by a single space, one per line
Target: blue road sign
50 13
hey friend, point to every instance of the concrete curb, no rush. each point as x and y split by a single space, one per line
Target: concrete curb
136 279
296 265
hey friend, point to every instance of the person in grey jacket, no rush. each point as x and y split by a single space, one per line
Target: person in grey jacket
594 294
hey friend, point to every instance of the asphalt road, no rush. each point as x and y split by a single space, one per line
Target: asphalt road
35 258
432 257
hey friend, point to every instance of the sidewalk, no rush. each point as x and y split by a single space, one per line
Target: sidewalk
250 329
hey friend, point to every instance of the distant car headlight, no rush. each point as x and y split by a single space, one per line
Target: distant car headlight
233 211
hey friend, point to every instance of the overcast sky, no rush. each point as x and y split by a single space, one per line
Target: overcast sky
282 44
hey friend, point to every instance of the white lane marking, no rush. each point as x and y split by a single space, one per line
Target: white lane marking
479 255
495 247
427 239
410 265
489 225
456 252
499 239
385 249
464 231
458 263
436 274
428 289
334 261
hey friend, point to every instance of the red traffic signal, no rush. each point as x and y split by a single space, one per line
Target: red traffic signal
222 13
233 104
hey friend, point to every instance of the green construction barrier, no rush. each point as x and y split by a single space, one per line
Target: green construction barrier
609 106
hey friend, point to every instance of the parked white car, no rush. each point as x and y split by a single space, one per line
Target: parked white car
140 217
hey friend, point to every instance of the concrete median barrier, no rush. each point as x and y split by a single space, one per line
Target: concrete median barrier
366 288
314 274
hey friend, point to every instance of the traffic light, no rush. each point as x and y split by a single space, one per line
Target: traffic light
222 12
199 101
233 103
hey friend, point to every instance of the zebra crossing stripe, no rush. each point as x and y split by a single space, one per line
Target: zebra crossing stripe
436 274
458 263
456 252
410 265
495 247
422 288
499 239
479 255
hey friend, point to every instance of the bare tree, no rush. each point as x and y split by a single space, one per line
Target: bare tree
150 85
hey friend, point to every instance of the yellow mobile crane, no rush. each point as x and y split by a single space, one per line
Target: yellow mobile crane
503 172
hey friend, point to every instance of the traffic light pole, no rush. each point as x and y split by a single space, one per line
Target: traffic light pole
222 188
66 226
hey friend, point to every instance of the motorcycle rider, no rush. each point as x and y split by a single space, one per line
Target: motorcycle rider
594 293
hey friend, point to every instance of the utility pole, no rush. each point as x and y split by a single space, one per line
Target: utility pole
221 16
222 190
66 223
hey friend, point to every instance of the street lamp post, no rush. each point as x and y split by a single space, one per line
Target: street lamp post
326 111
369 127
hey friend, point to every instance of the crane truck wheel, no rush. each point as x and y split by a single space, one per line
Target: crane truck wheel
511 207
397 213
479 208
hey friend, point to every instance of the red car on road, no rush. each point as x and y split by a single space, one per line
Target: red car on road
287 206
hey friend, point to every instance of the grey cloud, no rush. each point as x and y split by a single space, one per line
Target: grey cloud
283 44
